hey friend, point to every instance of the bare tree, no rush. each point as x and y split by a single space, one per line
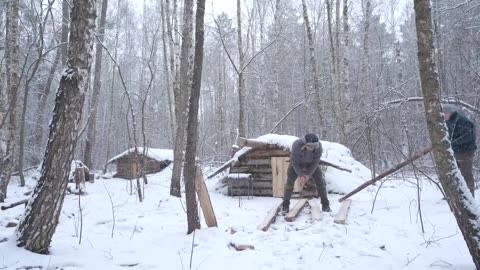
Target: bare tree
97 84
192 127
65 28
38 225
13 80
459 198
41 20
242 114
181 97
346 95
314 69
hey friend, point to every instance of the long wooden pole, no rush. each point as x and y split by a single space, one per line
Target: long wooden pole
390 171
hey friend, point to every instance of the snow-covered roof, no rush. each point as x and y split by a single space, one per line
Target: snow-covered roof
153 153
284 141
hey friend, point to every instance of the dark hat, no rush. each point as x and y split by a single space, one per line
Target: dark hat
311 140
447 108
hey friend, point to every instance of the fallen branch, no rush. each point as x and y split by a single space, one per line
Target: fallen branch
241 247
390 171
326 163
5 207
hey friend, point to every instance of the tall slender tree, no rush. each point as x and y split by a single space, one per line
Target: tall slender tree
97 85
459 198
192 127
181 97
13 81
242 114
38 225
315 86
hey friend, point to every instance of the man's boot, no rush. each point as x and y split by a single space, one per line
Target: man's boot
285 208
325 205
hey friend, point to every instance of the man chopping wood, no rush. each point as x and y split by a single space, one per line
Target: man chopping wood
304 160
462 136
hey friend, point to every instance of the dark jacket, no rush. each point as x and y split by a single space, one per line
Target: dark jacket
304 162
461 133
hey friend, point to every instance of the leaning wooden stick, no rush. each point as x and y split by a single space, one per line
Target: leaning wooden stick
390 171
5 207
326 163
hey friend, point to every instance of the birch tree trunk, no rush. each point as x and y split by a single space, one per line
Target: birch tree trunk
97 84
168 74
346 95
242 95
192 127
314 70
65 23
459 198
333 55
276 65
112 88
38 225
13 81
181 97
365 66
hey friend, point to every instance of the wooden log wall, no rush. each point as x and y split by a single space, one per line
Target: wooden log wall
261 179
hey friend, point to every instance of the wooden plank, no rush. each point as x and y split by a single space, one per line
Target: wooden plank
304 195
204 199
342 214
270 218
279 175
315 209
293 213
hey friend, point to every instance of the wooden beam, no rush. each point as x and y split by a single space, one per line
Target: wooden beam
390 171
293 213
315 209
230 163
204 199
342 214
270 218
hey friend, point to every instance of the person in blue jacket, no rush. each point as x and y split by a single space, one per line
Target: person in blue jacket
462 137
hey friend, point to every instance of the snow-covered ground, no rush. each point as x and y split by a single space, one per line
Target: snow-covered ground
151 234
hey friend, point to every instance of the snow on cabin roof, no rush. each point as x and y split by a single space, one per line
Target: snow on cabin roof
284 141
153 153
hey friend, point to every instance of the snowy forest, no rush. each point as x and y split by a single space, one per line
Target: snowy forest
86 80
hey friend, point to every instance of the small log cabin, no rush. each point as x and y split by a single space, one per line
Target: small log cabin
259 168
150 160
